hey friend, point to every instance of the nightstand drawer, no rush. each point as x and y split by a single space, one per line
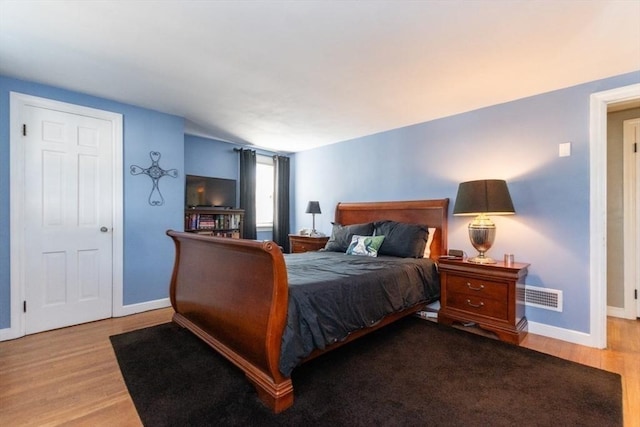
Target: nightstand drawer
496 309
477 288
302 247
300 244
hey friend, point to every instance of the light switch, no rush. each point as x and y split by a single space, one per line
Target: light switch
564 149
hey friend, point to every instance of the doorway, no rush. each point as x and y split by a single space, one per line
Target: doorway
66 214
631 132
623 129
600 102
631 141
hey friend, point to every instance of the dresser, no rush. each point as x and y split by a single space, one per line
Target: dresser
485 295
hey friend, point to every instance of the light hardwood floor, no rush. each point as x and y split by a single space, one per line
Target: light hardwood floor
70 376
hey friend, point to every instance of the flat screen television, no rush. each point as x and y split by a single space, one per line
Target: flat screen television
205 191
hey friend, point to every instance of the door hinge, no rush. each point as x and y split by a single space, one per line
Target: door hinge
24 130
635 147
24 306
635 294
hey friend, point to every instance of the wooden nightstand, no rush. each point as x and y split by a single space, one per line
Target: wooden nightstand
484 294
299 243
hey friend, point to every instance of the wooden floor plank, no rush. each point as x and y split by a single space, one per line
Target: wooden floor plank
70 376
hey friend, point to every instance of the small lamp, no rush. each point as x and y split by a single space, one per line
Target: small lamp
313 207
482 198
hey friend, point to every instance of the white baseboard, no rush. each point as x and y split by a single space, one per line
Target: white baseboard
572 336
620 312
127 310
575 337
9 334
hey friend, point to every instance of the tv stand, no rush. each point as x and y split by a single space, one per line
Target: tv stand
214 221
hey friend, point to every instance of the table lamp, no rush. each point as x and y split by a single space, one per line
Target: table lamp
482 198
313 207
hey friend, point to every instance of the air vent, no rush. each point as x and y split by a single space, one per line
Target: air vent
534 296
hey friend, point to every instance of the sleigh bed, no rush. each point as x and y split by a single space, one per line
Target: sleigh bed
242 297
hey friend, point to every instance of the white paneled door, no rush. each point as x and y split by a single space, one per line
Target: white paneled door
68 218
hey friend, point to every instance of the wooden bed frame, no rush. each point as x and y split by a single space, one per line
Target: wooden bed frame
233 293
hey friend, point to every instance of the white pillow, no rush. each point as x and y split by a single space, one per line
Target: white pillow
427 247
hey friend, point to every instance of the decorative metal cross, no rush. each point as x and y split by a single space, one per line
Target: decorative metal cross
155 172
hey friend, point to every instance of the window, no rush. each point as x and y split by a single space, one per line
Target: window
264 191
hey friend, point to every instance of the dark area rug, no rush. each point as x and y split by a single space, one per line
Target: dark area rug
411 373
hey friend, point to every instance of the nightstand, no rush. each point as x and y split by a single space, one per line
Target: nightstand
484 294
299 243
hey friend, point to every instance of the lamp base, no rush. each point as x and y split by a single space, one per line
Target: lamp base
482 232
482 260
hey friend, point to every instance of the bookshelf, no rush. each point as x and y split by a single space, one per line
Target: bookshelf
217 222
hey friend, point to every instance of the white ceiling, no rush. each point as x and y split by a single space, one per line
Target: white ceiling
292 75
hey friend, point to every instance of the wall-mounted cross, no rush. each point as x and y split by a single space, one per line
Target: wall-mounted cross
155 172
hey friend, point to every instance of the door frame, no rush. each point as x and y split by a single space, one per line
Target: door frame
599 102
16 201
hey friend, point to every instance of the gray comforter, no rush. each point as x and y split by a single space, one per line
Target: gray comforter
332 294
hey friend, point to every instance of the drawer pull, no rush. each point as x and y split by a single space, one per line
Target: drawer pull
474 288
475 305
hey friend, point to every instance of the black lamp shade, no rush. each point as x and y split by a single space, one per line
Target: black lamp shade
313 207
488 196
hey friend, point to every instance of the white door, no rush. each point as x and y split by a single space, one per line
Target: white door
68 218
631 190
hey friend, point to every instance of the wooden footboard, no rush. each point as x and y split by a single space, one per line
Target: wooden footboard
233 294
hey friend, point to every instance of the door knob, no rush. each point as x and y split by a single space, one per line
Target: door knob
104 229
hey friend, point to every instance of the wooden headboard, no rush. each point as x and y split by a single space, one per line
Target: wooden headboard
432 213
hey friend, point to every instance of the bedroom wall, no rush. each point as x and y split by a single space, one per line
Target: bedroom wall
148 253
211 157
516 141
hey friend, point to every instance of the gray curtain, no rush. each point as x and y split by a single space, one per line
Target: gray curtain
281 202
248 192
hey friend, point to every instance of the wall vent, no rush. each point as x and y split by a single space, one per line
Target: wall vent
549 299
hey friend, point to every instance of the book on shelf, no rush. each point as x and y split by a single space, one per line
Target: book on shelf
195 221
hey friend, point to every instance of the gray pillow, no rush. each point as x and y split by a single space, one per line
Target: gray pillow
401 239
341 235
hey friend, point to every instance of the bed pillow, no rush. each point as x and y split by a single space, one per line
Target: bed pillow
365 245
427 247
401 239
341 235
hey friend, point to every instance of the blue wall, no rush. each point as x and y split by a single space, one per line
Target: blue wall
210 157
148 252
516 141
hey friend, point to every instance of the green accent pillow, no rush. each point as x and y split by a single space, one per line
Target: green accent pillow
365 245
